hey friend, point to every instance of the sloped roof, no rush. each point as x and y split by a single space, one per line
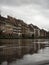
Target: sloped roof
43 30
33 26
13 21
17 21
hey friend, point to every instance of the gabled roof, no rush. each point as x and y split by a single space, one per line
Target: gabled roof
33 26
43 30
13 21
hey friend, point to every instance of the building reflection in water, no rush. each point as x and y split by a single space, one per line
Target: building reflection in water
11 49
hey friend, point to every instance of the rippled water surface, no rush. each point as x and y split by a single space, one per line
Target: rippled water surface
39 58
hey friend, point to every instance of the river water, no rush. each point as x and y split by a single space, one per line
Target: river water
39 58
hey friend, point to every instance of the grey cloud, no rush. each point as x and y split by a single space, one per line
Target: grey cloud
45 13
14 2
43 3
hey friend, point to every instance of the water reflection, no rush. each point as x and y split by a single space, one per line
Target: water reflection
14 49
43 55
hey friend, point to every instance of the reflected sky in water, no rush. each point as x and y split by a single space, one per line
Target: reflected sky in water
28 59
42 55
31 59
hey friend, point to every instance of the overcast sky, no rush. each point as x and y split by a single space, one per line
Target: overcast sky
31 11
